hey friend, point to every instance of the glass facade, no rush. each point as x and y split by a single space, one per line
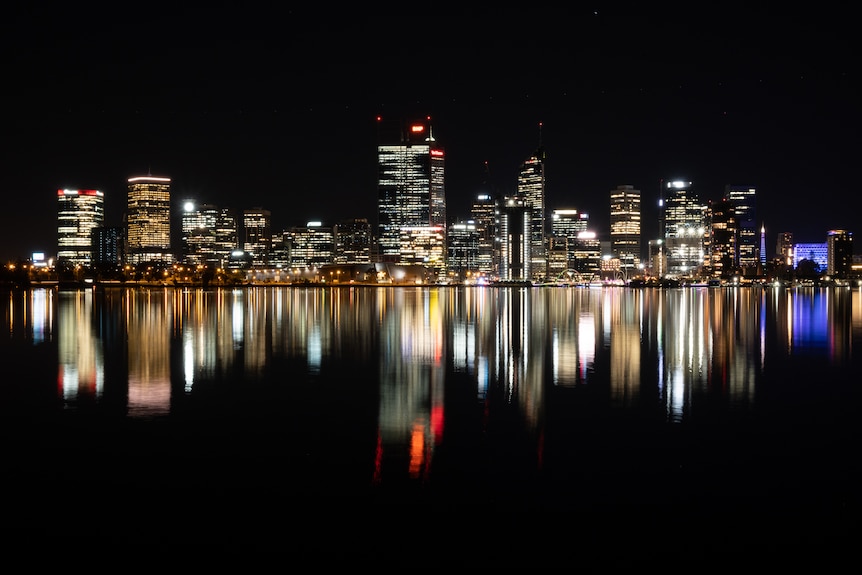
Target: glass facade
515 219
257 235
531 186
625 220
744 200
684 229
79 213
410 190
148 223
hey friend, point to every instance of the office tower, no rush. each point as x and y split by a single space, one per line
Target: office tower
531 187
784 248
683 229
839 256
558 257
762 247
721 239
569 223
226 236
484 214
198 234
79 212
109 246
353 241
625 223
463 251
311 246
744 200
587 255
257 235
411 199
515 219
148 220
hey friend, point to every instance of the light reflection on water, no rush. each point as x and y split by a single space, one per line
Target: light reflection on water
667 354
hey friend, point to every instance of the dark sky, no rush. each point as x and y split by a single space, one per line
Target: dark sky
254 105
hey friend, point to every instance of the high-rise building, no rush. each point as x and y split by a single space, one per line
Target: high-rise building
463 250
684 229
352 241
109 246
311 246
226 236
569 224
784 248
79 212
148 220
257 235
839 253
515 219
625 223
198 233
531 187
411 198
744 200
484 214
721 238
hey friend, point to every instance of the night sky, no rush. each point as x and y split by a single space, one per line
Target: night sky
254 105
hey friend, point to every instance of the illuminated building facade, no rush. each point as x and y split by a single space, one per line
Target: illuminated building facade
148 220
531 187
410 194
515 219
226 236
839 253
484 214
353 241
625 223
684 229
257 235
463 252
744 200
784 248
79 212
109 245
814 252
198 234
310 246
569 224
720 241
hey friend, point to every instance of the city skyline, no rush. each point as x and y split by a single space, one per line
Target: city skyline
618 103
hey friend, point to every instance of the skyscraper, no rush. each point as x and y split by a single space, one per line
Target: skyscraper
515 219
257 235
839 253
626 227
198 229
148 220
721 238
683 229
531 187
411 198
744 200
79 212
483 212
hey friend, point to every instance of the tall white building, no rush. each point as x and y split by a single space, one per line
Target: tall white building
684 229
411 199
79 212
625 223
531 187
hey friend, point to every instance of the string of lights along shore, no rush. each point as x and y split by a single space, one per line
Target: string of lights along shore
507 238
